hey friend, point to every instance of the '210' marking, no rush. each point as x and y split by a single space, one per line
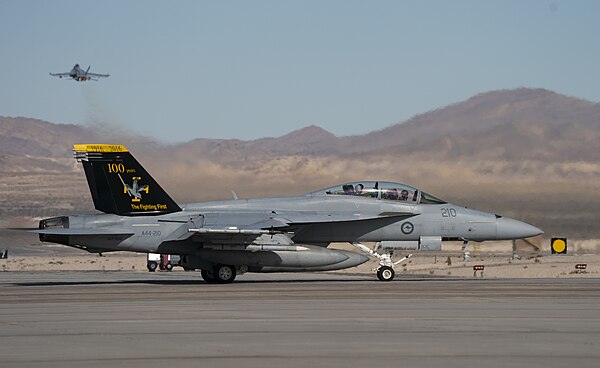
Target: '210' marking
448 212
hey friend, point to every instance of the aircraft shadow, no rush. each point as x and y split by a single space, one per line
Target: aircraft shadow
200 281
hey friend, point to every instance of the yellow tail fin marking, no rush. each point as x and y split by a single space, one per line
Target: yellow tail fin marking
100 147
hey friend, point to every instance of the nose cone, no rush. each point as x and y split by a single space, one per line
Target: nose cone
508 229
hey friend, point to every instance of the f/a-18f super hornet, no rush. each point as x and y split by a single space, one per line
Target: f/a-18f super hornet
225 238
80 75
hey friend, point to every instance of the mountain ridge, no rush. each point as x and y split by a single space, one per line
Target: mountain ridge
523 112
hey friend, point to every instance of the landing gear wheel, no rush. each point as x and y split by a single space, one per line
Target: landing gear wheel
224 274
208 276
169 267
152 266
385 273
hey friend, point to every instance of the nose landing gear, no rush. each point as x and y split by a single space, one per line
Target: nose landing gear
466 253
385 271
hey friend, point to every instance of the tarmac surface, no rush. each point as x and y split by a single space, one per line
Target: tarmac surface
137 319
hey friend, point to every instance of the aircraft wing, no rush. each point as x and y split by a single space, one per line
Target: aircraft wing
223 228
343 226
299 219
60 75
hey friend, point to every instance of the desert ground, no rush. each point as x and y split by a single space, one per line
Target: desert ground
496 266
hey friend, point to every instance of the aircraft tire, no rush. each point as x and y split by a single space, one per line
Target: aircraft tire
385 273
152 266
208 276
169 267
224 274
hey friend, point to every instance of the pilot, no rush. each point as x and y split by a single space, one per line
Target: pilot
348 189
358 189
392 194
404 195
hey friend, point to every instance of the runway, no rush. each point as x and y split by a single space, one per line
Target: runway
137 319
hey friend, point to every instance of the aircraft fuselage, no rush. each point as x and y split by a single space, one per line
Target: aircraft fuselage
446 221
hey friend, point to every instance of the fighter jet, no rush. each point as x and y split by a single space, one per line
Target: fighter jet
80 75
280 234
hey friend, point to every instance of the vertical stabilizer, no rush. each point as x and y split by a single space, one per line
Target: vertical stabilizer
119 184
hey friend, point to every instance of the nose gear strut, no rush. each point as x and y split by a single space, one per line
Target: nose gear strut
385 271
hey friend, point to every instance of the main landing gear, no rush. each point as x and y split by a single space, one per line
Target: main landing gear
385 271
219 274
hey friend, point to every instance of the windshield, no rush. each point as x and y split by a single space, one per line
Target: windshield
429 199
382 190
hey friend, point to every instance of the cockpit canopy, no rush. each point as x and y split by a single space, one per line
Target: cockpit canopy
382 190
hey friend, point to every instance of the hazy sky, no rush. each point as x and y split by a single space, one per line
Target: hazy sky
249 69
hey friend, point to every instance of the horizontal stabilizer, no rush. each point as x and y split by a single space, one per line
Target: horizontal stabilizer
83 232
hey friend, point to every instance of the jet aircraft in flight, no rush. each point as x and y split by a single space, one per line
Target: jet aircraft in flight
80 75
285 234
